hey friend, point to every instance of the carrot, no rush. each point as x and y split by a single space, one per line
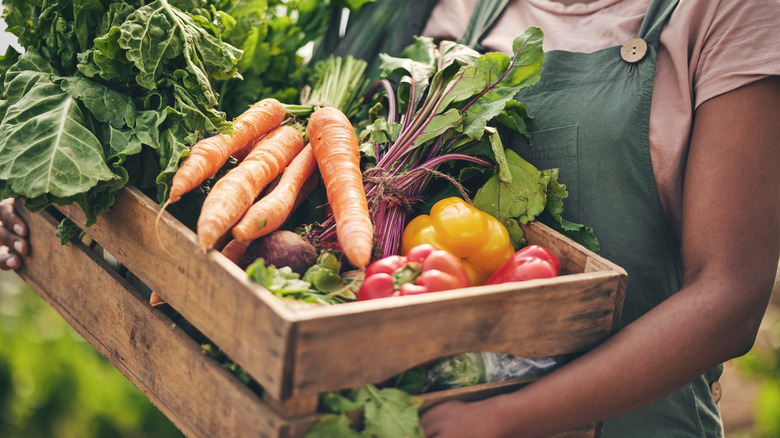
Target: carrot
335 147
270 212
207 156
156 300
234 193
242 152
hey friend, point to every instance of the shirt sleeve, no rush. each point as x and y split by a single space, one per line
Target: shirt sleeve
739 45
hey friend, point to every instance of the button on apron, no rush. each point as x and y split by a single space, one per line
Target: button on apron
633 50
717 392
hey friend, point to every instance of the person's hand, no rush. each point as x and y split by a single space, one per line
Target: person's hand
13 237
454 419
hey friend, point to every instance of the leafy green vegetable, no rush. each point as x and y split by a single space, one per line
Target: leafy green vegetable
337 82
552 215
523 194
321 283
386 413
335 426
67 230
227 363
389 412
411 381
520 197
45 147
282 281
338 402
134 84
456 371
272 34
99 84
324 276
158 32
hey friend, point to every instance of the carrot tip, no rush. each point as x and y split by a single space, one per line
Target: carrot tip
156 300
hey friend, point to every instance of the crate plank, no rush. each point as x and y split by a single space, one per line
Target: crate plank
411 330
199 396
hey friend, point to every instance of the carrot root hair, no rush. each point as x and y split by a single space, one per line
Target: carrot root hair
157 228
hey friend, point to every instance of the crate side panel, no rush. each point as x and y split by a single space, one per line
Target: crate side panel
545 317
194 391
575 258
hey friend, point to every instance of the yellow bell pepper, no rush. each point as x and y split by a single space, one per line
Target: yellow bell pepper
454 225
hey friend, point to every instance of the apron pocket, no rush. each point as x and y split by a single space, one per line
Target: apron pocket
556 148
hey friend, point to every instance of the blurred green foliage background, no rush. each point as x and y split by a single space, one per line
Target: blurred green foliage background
54 384
761 365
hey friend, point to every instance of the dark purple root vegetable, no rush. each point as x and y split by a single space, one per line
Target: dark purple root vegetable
281 248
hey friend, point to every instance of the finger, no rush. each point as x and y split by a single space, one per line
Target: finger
13 241
9 218
9 260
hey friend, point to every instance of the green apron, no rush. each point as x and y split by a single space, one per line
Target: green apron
591 115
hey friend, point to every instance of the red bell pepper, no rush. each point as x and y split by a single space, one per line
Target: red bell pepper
424 269
528 263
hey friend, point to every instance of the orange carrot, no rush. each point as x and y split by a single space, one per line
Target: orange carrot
235 192
241 153
335 147
270 212
207 156
156 300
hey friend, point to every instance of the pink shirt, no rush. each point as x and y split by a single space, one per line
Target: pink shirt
708 47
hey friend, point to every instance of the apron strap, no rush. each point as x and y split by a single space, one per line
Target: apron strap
658 13
486 12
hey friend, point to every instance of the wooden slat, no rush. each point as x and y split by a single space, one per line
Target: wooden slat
292 407
574 257
411 330
199 396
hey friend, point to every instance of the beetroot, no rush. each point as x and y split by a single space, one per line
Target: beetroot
281 248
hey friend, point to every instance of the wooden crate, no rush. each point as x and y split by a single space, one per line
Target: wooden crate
294 352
